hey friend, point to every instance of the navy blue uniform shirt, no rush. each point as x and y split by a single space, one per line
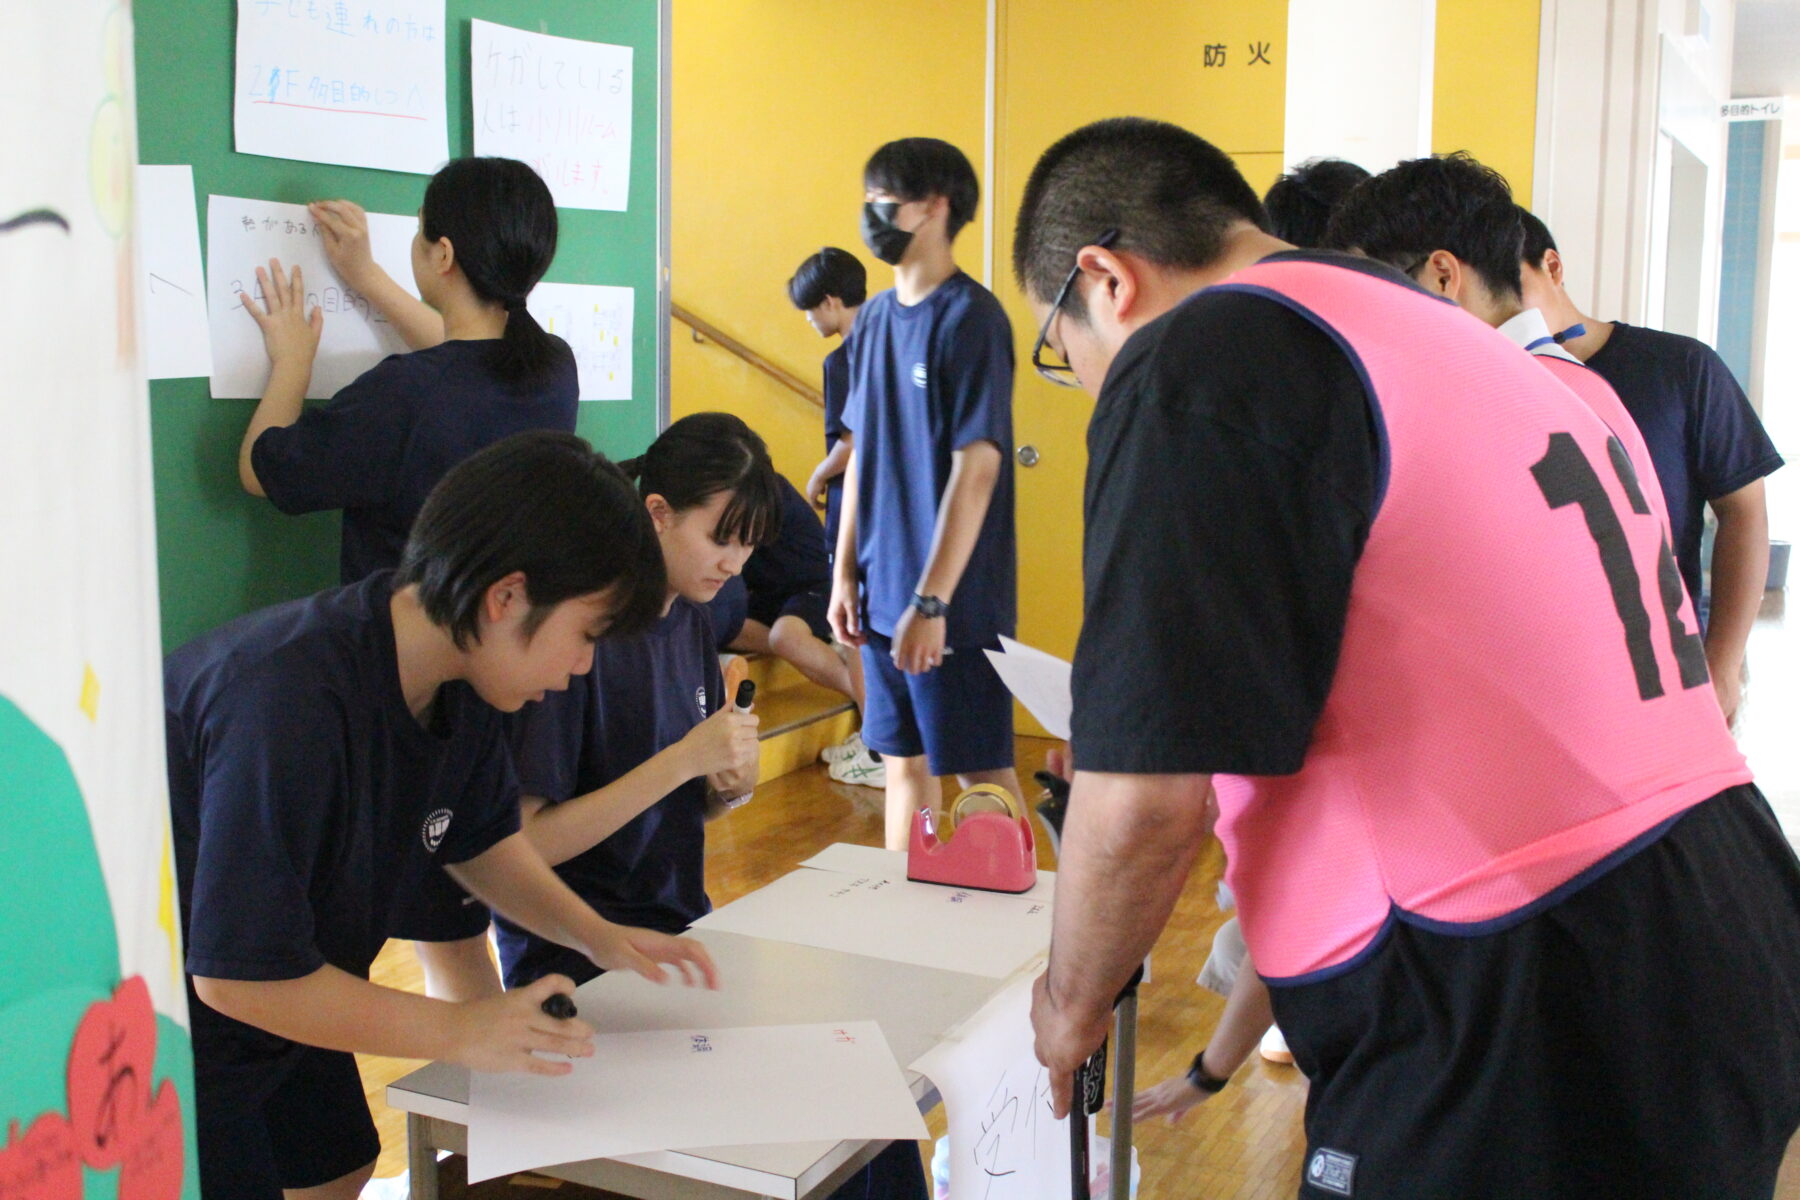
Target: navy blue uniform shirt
306 798
643 695
795 560
837 390
1703 436
925 381
383 442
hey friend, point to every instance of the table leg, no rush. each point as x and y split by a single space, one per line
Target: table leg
421 1160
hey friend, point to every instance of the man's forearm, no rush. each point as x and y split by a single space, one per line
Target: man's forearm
559 832
1127 848
974 472
844 562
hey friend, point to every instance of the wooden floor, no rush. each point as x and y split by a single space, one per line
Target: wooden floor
1245 1144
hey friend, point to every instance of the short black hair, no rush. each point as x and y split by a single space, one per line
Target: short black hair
1446 202
544 503
1538 241
830 272
1170 195
704 454
1300 203
918 168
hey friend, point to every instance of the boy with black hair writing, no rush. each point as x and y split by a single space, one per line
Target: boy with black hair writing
327 754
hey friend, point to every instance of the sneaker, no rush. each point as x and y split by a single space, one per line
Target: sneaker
850 747
861 768
1275 1047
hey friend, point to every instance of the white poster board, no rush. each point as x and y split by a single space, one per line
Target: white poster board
331 81
683 1089
96 1082
242 235
926 924
561 105
172 286
595 319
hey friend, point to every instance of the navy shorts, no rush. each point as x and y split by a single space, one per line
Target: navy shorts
1638 1037
295 1120
809 605
959 716
440 911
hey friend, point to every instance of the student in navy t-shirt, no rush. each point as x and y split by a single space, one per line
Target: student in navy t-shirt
481 367
829 288
617 771
925 570
1708 445
327 755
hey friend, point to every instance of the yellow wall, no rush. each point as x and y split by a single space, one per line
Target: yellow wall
1053 81
777 105
1484 94
779 102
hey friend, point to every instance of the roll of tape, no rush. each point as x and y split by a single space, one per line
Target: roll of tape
985 797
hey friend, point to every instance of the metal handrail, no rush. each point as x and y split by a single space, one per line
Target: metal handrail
705 331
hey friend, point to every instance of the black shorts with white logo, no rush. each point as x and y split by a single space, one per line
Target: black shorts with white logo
1637 1036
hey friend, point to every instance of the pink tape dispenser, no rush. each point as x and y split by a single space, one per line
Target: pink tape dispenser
992 848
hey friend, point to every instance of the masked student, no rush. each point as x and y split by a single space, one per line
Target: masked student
925 572
481 367
328 755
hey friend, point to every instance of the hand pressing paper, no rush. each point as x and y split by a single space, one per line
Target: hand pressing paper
1039 680
687 1089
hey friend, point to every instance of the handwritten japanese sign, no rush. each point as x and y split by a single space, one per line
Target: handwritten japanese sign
357 82
561 105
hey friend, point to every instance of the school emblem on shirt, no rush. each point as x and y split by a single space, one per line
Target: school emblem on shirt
436 826
918 374
700 699
1332 1171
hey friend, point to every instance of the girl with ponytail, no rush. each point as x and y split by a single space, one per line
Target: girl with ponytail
481 367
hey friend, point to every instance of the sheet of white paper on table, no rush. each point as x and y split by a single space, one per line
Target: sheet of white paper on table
595 319
926 924
562 105
1039 680
1004 1143
846 858
242 235
359 84
683 1089
177 342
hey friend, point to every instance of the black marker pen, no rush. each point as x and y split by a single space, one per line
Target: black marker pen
746 696
559 1005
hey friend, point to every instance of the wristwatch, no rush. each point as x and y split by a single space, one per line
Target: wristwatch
1210 1084
929 606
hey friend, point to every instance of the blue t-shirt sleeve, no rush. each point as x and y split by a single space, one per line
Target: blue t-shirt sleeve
343 454
548 739
1730 447
268 792
837 387
975 373
489 809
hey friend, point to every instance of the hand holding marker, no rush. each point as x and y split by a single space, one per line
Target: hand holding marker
746 696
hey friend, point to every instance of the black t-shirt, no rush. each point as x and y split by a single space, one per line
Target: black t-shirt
795 560
382 443
307 800
1704 437
1233 473
643 695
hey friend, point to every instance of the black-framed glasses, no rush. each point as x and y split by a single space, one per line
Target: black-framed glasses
1061 373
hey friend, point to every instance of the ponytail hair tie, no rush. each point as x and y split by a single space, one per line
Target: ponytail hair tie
514 303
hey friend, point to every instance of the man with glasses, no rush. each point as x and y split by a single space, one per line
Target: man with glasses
1379 593
925 575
